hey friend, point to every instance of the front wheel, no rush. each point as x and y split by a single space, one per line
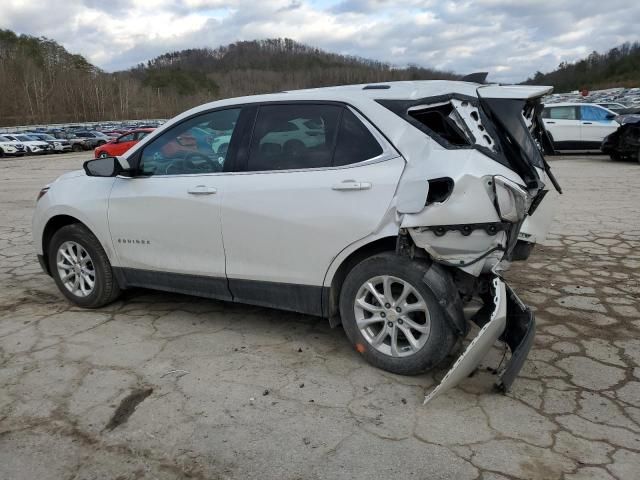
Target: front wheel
391 316
76 147
80 267
103 155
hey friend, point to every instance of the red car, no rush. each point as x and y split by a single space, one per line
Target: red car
121 144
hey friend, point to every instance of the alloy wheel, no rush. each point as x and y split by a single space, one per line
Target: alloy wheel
75 268
392 316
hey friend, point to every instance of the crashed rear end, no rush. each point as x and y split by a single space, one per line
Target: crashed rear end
624 143
488 202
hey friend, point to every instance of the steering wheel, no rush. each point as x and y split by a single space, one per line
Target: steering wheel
213 165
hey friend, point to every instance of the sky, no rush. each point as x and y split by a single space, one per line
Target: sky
509 39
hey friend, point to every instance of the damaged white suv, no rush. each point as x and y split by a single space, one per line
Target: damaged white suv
393 212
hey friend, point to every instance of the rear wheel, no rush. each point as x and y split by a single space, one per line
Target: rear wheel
76 147
80 267
391 316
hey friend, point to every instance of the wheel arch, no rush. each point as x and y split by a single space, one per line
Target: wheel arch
54 224
333 285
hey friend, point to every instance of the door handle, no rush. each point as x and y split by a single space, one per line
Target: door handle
587 123
202 190
550 123
351 185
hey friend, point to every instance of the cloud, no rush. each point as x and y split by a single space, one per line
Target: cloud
510 39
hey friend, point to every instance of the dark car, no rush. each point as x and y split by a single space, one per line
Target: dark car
93 139
624 143
77 144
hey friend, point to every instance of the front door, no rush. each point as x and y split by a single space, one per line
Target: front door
316 180
595 124
165 222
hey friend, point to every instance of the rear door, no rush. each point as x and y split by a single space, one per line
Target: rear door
304 195
595 124
562 122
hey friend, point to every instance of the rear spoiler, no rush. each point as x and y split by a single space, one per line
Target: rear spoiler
519 92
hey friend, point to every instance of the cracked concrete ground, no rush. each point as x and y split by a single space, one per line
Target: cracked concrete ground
216 390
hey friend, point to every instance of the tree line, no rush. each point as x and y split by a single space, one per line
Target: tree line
43 83
619 67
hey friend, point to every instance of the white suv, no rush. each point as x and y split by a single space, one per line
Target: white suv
395 221
578 126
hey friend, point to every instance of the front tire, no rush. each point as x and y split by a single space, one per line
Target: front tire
392 317
81 268
76 147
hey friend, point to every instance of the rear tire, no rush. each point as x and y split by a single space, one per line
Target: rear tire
76 148
81 268
432 337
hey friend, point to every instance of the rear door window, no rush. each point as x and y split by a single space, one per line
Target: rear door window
292 136
563 113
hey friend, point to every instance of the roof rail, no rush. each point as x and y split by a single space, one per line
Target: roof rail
376 87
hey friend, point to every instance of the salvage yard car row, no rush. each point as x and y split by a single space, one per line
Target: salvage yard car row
37 140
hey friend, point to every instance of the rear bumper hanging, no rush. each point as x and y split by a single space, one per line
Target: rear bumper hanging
512 322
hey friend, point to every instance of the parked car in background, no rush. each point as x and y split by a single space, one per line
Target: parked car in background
77 144
578 126
57 144
619 108
624 143
32 145
121 144
94 138
113 133
395 220
11 148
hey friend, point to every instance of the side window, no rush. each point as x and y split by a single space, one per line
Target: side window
562 113
197 145
293 136
589 112
355 141
126 138
141 135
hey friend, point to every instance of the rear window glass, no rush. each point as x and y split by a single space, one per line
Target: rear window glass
439 119
355 142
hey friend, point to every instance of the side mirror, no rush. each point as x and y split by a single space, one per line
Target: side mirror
102 167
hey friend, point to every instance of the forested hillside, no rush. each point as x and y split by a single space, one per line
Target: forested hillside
619 67
41 82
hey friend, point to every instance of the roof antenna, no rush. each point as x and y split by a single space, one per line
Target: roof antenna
476 77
